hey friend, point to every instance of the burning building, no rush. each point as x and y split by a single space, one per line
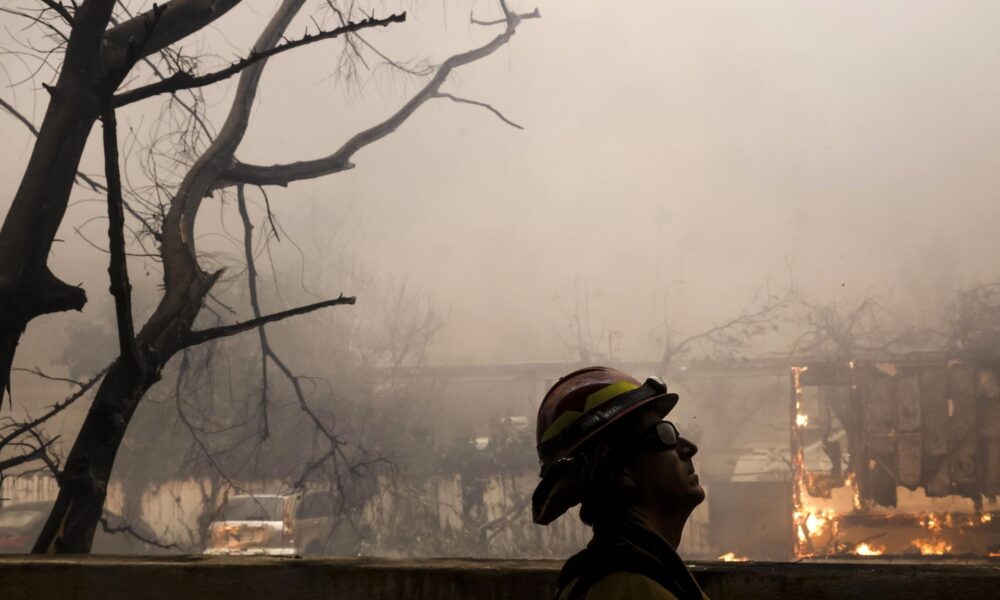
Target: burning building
895 458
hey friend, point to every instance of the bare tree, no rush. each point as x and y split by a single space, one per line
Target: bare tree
732 336
975 320
863 327
97 59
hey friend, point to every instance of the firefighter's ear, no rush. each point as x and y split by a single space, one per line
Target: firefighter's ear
624 481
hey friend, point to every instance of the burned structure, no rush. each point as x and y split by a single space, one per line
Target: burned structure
896 457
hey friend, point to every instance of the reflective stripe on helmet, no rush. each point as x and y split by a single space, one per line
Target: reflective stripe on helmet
593 401
573 430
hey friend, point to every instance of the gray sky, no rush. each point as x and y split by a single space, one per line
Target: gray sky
690 146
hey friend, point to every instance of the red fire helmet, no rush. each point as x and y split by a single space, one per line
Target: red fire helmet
579 407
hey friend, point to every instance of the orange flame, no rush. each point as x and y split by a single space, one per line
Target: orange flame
933 547
932 522
732 557
865 549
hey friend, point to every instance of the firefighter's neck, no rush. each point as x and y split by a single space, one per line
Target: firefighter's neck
669 524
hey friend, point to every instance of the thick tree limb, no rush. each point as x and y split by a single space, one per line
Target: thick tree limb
182 80
175 20
340 160
180 263
205 335
40 202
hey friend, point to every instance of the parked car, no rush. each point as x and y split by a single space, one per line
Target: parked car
21 523
254 524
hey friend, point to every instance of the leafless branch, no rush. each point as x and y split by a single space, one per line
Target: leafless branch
38 372
752 320
37 452
340 160
182 80
477 103
265 347
199 337
121 289
97 187
184 365
129 530
508 14
38 20
54 409
62 10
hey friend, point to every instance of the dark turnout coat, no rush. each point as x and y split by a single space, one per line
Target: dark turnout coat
627 561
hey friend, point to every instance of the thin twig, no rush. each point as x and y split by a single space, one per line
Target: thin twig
38 372
97 187
499 115
62 10
56 408
129 530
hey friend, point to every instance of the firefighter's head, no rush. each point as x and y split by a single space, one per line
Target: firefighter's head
603 443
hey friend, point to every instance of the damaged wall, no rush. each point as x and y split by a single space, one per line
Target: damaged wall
934 425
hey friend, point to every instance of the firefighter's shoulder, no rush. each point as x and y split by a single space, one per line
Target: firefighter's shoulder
623 585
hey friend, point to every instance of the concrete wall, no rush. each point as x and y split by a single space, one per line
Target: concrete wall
191 578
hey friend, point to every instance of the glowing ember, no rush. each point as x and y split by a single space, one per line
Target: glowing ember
932 547
985 518
731 557
865 549
801 420
817 522
932 522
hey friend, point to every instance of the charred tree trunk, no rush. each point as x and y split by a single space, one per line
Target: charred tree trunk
84 480
27 288
96 61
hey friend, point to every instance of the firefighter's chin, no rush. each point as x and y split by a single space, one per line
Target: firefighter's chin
697 493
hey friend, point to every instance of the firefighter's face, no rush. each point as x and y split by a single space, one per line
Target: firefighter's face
668 478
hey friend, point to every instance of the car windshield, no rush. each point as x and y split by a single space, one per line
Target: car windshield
15 518
251 508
